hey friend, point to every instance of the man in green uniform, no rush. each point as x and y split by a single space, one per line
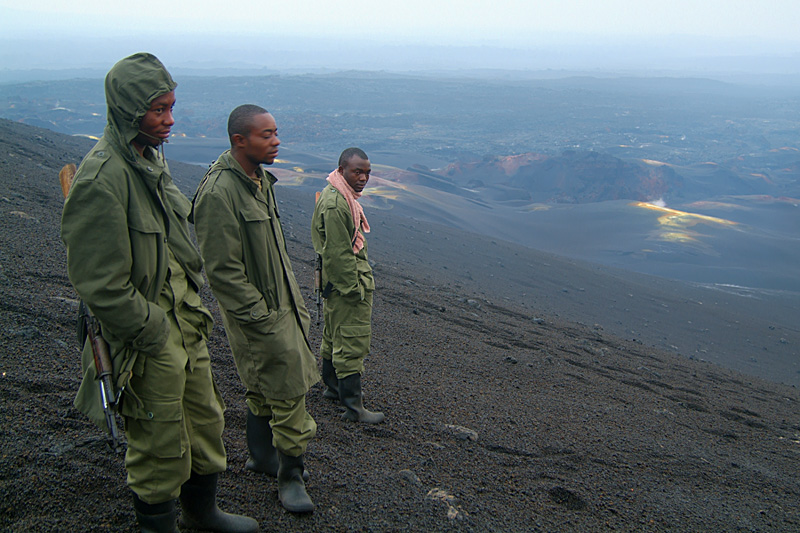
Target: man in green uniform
337 231
241 239
131 260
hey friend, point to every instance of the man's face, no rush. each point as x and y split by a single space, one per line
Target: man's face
156 124
356 172
261 144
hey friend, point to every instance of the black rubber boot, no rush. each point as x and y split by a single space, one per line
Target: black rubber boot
263 455
291 488
329 378
156 518
352 398
200 511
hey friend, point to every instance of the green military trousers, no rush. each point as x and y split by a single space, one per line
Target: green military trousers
173 414
347 332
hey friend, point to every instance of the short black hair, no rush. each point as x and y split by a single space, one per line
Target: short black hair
241 119
348 154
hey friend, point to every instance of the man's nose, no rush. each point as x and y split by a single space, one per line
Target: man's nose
169 119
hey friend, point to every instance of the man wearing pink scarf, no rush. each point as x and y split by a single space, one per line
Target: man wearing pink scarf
337 231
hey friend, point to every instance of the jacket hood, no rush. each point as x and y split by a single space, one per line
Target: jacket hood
131 85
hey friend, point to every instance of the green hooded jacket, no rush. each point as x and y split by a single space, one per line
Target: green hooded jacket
332 229
122 212
241 239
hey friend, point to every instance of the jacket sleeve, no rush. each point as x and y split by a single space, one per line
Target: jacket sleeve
338 259
217 227
95 228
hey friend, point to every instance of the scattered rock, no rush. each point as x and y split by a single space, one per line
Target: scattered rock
411 477
566 498
462 433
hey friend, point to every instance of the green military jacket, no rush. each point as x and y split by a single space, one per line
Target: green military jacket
332 230
122 212
242 243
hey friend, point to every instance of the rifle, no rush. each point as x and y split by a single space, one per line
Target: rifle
102 358
318 286
318 279
102 363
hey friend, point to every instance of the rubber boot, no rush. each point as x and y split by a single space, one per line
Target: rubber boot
351 397
291 488
156 518
263 455
329 378
200 511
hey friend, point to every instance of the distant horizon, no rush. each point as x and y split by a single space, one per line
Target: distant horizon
714 38
60 59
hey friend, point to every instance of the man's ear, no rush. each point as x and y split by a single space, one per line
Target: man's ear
237 139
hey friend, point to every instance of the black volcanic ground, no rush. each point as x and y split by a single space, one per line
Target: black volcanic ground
523 392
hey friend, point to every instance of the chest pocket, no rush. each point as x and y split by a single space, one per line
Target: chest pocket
142 222
253 214
255 225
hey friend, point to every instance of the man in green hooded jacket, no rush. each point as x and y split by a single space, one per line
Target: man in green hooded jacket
238 228
131 260
337 232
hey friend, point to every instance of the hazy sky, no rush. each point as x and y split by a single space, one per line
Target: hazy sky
266 27
418 19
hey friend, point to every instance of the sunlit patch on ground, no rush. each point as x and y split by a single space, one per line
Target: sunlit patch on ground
761 176
674 217
536 207
785 149
674 225
290 177
680 237
387 193
654 163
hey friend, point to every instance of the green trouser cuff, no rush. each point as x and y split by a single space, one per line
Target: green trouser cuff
292 426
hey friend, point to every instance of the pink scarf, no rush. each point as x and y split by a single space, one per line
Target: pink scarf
336 179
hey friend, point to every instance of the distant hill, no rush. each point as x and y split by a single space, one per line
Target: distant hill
454 117
572 177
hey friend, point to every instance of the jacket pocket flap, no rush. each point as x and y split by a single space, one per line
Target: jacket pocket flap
253 215
355 331
259 310
142 222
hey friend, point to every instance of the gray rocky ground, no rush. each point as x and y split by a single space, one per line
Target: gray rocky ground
503 414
